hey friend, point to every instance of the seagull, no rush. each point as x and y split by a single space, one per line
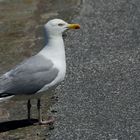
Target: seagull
40 72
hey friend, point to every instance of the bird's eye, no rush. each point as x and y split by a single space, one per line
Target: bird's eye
60 24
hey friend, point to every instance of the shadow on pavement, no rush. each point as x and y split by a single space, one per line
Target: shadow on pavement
11 125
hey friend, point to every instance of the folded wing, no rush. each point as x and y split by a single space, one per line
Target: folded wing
28 77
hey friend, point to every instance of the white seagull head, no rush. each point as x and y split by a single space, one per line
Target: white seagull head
56 27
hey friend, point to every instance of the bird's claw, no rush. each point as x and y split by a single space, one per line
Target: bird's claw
50 121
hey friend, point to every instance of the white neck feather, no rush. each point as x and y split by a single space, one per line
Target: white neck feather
54 50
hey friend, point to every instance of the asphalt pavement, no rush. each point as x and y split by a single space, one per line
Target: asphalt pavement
100 97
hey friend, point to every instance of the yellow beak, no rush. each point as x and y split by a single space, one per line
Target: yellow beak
73 26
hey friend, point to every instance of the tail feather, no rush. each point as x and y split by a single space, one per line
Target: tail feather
6 98
4 84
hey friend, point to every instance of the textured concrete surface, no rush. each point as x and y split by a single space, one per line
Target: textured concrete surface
100 98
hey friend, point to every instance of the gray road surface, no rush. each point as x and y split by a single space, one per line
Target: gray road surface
100 98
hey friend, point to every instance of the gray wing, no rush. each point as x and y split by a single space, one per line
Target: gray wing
28 77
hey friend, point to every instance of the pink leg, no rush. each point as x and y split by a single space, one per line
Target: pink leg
50 120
